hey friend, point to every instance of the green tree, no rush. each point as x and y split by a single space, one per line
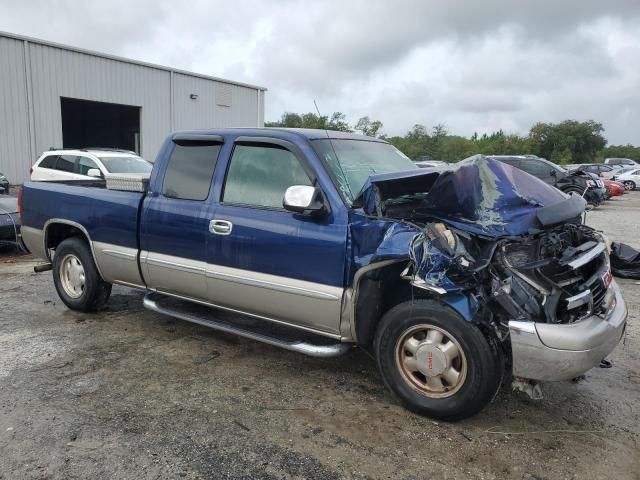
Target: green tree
337 121
368 127
569 141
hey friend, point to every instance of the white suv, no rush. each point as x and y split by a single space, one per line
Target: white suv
86 164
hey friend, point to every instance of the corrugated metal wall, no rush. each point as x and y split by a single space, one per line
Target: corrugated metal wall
55 72
14 111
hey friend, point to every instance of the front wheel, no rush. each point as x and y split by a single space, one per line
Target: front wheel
630 184
76 277
435 362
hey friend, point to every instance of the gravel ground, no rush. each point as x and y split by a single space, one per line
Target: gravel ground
128 393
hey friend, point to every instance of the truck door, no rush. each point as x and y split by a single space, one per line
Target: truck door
174 226
265 260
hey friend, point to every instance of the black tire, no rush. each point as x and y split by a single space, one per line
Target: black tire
631 184
484 362
95 292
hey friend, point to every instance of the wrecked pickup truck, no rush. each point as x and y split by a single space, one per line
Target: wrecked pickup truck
316 241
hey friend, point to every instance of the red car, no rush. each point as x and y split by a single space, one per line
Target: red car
614 188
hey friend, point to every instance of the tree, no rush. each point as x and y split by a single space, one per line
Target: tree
368 127
568 141
622 151
312 120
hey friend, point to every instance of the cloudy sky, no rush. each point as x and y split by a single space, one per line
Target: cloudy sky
472 65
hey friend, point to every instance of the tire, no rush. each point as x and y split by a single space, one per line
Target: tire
630 184
479 363
76 277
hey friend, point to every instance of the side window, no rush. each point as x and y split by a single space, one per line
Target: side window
538 169
259 175
190 170
66 163
85 164
48 162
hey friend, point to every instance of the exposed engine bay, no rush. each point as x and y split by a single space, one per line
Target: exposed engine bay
558 275
511 246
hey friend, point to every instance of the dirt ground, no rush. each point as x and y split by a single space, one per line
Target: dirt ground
131 394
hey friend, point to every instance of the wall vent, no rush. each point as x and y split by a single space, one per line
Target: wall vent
223 94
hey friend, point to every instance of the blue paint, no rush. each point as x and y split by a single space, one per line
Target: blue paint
457 196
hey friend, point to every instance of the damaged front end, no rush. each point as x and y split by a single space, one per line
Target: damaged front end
509 252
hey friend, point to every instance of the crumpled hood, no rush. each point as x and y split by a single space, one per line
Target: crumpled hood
478 195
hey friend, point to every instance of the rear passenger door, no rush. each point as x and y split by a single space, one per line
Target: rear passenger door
265 260
175 220
65 168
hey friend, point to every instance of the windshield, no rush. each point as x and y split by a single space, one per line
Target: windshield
128 164
357 160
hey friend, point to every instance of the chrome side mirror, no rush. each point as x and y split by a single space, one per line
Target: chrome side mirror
94 172
304 199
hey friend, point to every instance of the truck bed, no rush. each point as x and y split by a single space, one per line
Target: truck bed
106 217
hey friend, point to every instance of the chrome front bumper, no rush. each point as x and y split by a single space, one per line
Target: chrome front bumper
552 352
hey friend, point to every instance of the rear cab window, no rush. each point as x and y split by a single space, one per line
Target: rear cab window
259 175
190 170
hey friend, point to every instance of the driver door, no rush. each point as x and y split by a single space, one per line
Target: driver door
265 260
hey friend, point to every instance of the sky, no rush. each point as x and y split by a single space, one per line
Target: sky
475 66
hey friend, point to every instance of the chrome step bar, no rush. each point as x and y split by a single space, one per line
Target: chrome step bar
313 350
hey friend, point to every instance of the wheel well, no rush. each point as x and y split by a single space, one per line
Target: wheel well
377 292
57 232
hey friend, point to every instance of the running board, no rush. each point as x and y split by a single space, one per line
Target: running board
152 302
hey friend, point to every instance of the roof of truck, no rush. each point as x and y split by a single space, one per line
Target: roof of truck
308 133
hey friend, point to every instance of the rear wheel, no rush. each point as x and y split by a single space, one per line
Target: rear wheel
435 362
629 184
76 277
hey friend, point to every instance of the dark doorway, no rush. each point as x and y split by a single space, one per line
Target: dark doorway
87 124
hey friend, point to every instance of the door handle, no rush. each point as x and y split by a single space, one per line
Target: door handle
220 227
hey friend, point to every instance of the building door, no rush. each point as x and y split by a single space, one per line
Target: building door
87 124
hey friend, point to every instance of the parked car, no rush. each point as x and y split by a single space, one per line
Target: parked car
614 189
86 164
620 161
4 184
445 276
630 178
431 164
604 171
9 222
577 181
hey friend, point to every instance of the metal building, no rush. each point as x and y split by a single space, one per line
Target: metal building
54 95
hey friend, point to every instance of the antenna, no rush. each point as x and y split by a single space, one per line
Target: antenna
335 154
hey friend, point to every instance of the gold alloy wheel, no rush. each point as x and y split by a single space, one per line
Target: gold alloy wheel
431 361
72 276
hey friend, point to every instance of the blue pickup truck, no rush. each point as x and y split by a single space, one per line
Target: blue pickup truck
320 241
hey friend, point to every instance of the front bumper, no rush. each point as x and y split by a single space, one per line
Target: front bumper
552 352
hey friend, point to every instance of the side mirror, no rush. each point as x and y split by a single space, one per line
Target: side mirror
304 199
94 172
553 173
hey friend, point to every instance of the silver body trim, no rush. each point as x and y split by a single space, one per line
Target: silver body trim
553 352
313 350
117 263
587 256
253 315
578 300
34 240
291 301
